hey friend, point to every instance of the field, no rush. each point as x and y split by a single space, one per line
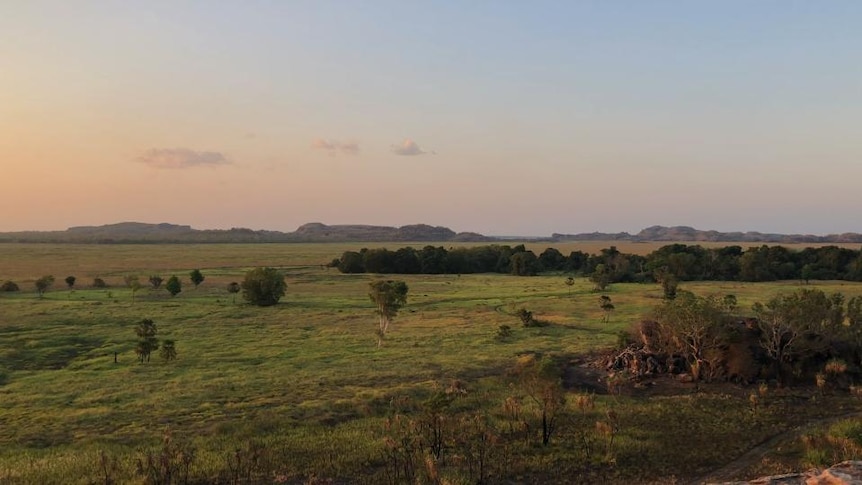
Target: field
305 382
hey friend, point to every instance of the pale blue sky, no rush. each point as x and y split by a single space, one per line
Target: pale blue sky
498 117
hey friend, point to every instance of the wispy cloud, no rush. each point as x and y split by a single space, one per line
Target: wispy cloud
174 158
408 148
332 146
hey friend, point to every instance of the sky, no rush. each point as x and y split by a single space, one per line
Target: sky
499 117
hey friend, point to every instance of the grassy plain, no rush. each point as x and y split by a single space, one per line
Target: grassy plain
305 377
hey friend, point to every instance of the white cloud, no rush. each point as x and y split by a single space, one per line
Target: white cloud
409 147
174 158
332 146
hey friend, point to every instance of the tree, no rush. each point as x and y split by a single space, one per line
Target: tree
147 342
607 307
694 327
389 296
196 277
263 286
174 286
70 281
669 286
169 350
797 325
99 283
351 262
43 283
601 277
156 281
524 263
552 259
540 380
9 286
134 283
233 288
570 282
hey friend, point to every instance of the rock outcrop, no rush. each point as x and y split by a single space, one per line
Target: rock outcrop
844 473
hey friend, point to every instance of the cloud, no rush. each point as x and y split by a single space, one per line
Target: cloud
181 158
408 148
332 146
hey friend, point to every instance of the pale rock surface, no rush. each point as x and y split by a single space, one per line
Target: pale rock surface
844 473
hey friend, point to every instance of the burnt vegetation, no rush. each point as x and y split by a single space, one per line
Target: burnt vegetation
794 338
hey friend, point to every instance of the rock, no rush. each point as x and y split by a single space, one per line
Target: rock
844 473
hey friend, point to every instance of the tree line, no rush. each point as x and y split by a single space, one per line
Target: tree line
679 262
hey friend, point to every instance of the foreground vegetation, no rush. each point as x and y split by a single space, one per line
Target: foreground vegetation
301 390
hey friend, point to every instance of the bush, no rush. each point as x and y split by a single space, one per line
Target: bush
527 318
9 286
174 286
99 283
263 286
504 332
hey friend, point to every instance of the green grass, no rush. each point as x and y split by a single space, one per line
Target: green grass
305 377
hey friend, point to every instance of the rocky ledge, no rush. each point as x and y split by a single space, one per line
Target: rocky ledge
844 473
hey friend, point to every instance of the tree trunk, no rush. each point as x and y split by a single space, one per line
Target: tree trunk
546 434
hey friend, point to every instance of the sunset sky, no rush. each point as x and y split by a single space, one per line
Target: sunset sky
505 118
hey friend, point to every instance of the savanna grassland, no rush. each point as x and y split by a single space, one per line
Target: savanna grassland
299 392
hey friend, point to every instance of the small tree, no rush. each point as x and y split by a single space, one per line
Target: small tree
601 277
570 282
70 281
389 296
669 285
607 307
147 342
156 281
233 288
540 380
525 316
695 328
169 350
99 283
196 277
43 283
263 286
174 286
134 284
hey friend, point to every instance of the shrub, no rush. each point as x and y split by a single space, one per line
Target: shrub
196 277
174 286
504 332
9 286
526 317
624 339
835 367
528 320
263 286
99 283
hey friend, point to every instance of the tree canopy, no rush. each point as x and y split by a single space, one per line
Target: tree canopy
389 296
263 286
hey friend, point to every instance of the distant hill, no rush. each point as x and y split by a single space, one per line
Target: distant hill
689 234
138 232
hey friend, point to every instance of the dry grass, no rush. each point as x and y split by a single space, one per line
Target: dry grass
305 375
